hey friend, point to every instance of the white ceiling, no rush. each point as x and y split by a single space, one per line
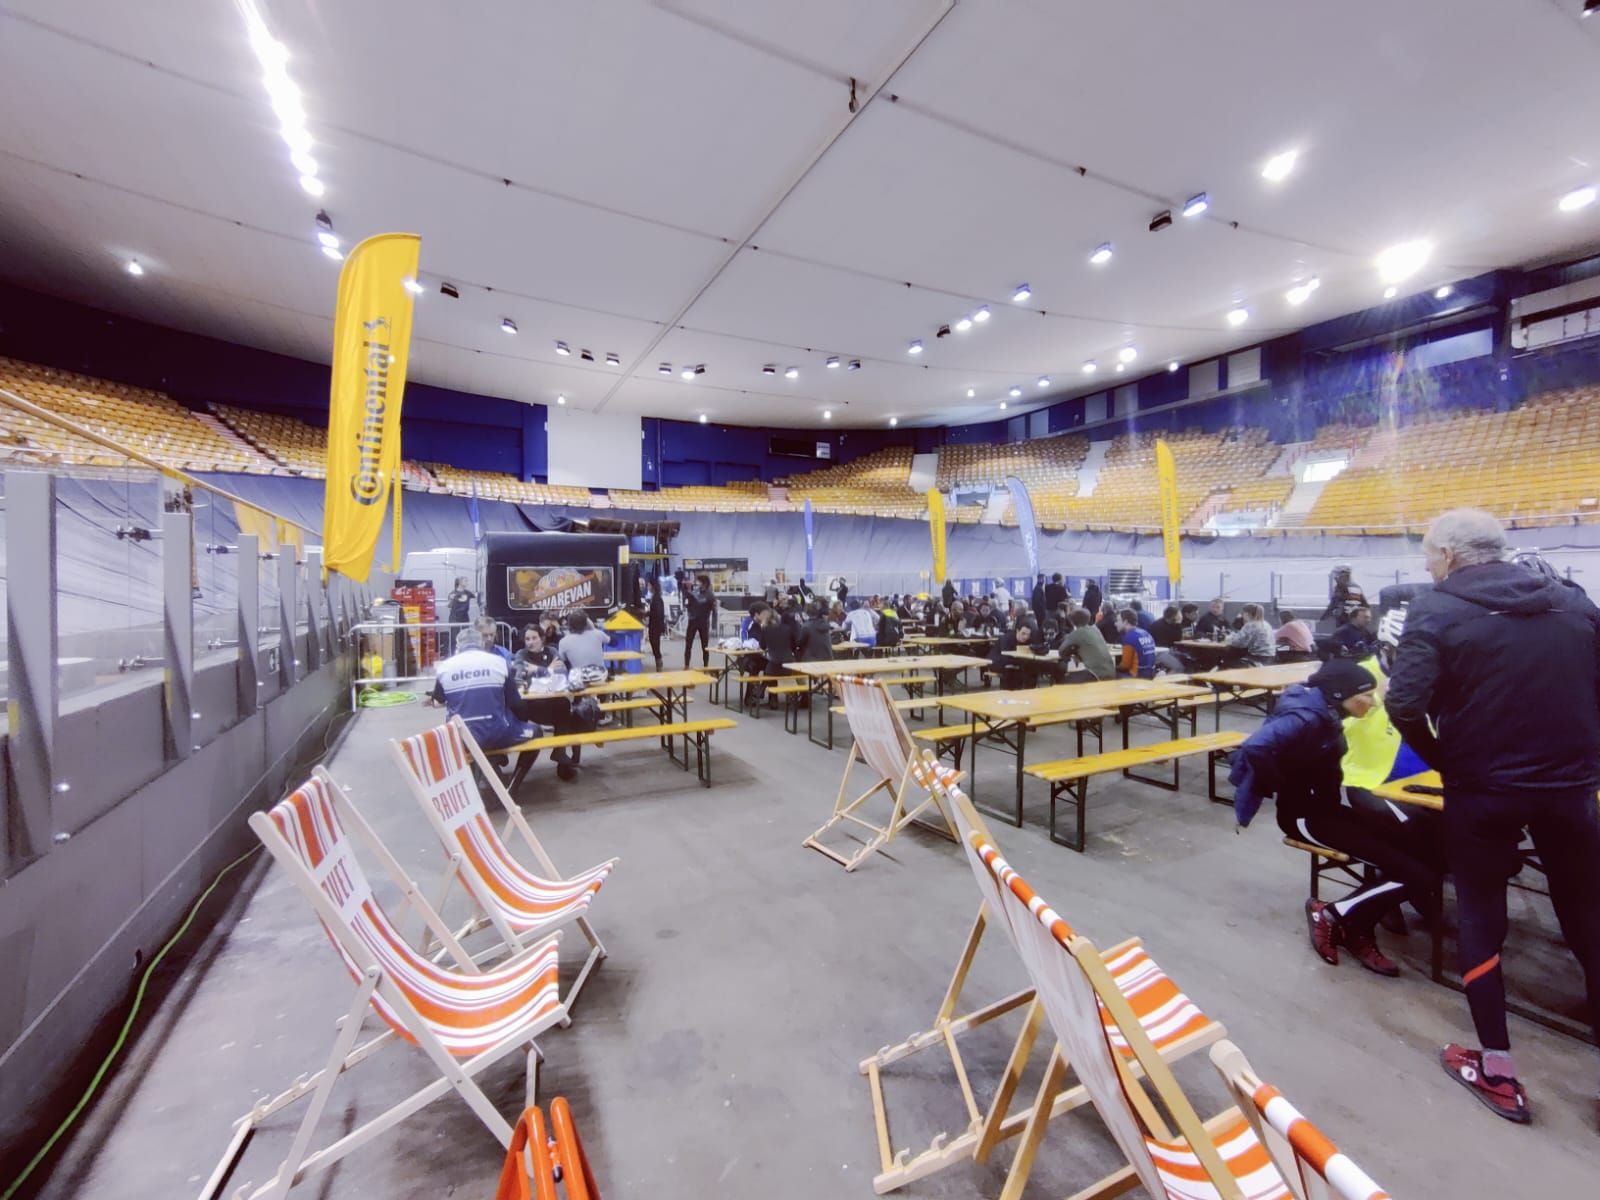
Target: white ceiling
688 171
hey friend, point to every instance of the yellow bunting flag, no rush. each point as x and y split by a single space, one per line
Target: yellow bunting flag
1167 476
371 341
936 527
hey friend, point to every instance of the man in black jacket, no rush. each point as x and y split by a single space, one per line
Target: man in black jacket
1505 663
1055 593
700 606
1091 594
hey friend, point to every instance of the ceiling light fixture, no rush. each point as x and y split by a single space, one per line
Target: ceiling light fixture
303 162
1102 254
1578 197
1121 367
132 267
833 362
1301 292
1196 204
507 325
283 95
664 369
853 365
412 286
449 289
1023 293
703 418
687 373
1390 292
1590 7
561 399
827 414
914 348
792 373
893 421
1161 220
1238 316
333 252
585 356
943 332
981 315
328 238
311 185
770 369
972 393
1090 367
613 360
561 349
964 324
1015 392
700 369
1002 406
1403 260
1127 354
1443 293
1171 367
1276 169
1043 381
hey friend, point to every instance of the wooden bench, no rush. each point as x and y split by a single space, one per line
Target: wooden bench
734 684
950 738
1072 775
699 732
630 707
1325 859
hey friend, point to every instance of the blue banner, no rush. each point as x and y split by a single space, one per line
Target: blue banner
809 539
1030 531
472 513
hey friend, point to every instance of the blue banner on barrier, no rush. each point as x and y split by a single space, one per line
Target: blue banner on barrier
1030 531
810 539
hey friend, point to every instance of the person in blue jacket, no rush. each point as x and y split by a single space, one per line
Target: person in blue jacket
1296 756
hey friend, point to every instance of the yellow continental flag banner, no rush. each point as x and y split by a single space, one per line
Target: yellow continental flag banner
371 341
936 528
1167 477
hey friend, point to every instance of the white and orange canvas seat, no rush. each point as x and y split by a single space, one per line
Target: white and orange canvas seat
519 903
1220 1159
1172 1022
1314 1168
883 744
462 1017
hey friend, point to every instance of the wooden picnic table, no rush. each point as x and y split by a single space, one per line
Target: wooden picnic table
927 643
622 656
1211 655
1005 716
822 674
670 688
1270 681
1405 791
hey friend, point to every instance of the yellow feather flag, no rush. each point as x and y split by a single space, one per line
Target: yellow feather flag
1167 477
936 527
371 343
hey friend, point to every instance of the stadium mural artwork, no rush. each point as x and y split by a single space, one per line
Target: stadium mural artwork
1167 478
937 529
1023 503
371 343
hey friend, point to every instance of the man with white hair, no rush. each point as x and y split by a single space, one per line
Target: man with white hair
1496 685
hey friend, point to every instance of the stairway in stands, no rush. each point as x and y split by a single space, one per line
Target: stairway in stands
1299 504
232 436
1089 472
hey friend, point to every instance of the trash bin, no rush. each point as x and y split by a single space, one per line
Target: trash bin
624 632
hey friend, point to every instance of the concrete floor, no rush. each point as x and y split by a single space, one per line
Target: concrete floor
715 1052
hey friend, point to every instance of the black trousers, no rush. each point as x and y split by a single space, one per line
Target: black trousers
703 629
1401 870
655 642
1482 835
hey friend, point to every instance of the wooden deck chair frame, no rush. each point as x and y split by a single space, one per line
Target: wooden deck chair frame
488 910
1072 981
882 743
374 986
997 1124
1312 1166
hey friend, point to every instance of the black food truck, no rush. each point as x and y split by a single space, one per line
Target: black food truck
523 575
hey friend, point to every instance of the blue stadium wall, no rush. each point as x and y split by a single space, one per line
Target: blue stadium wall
1400 359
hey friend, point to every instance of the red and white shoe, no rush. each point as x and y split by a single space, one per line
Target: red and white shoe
1500 1095
1324 930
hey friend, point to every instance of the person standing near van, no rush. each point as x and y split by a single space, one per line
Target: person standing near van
701 606
460 602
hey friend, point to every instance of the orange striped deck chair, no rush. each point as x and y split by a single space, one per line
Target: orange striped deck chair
1313 1166
520 904
461 1017
1220 1159
1174 1024
883 744
547 1166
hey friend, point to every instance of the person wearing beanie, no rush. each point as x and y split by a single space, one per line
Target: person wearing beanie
1296 756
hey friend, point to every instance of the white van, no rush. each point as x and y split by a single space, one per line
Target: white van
442 568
